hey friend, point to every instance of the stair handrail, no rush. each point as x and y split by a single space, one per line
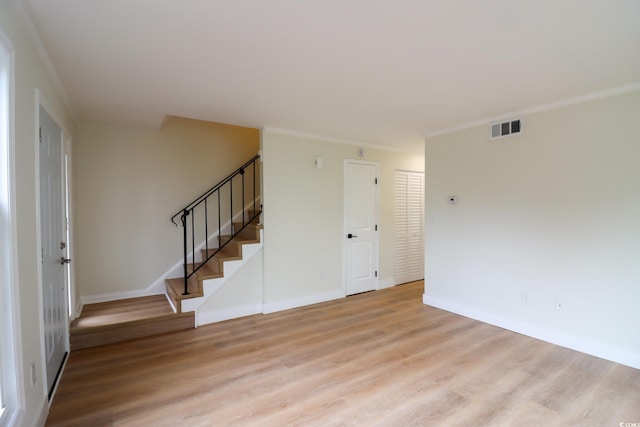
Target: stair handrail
214 188
188 210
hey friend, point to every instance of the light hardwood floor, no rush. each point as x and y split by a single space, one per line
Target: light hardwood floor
376 359
121 320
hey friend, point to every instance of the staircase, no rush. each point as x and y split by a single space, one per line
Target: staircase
213 268
203 273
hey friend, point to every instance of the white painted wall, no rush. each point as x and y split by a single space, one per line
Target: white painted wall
553 213
31 75
130 181
240 295
303 216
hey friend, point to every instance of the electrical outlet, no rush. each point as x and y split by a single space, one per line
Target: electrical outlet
33 374
525 298
559 305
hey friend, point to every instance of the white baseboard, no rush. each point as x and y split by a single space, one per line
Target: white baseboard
583 345
231 313
157 287
272 307
92 299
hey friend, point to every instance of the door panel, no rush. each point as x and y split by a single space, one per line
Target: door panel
360 223
54 296
409 226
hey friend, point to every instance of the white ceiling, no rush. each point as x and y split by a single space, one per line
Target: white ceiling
383 72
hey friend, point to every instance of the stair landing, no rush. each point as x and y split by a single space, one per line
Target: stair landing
122 320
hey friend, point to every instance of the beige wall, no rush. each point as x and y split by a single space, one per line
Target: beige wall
553 213
129 182
30 75
303 216
241 294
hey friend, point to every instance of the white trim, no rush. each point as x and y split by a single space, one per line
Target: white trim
14 393
71 253
230 313
540 108
302 301
336 140
583 345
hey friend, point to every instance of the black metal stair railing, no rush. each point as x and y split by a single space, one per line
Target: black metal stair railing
214 212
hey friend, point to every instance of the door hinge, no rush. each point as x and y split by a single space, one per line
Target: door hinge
376 273
376 227
376 181
40 133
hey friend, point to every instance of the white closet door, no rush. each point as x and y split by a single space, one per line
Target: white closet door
409 226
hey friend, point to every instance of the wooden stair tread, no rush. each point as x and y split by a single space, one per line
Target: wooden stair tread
122 320
119 311
176 288
96 326
214 268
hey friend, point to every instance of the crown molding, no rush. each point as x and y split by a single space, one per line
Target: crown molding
540 108
336 140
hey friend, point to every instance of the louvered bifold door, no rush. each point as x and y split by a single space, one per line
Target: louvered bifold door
409 226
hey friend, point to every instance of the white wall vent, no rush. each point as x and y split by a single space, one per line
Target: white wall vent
508 128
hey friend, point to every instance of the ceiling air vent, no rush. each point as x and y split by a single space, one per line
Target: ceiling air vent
511 127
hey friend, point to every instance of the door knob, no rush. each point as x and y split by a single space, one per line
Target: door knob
64 260
351 236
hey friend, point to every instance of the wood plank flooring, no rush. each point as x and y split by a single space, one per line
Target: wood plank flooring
121 320
375 359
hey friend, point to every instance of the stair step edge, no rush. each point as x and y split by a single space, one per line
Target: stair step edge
176 293
127 323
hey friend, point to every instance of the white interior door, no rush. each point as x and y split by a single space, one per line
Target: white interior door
360 219
52 226
409 226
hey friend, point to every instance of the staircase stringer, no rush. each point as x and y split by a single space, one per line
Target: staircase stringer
158 285
211 286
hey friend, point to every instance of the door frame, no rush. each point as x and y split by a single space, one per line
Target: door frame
344 222
41 101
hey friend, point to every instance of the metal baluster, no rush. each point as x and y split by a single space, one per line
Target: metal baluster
193 244
243 205
184 228
206 229
190 210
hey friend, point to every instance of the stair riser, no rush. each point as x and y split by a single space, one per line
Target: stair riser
131 330
214 271
209 287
